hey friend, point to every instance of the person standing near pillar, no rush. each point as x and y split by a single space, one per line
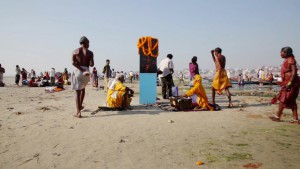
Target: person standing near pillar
166 66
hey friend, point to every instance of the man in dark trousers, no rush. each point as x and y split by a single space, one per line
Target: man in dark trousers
166 68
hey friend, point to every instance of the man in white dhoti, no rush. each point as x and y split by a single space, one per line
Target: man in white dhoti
82 58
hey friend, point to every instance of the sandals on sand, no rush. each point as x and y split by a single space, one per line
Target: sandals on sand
275 118
295 121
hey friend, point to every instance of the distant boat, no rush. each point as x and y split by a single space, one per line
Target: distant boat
232 81
244 83
235 81
264 82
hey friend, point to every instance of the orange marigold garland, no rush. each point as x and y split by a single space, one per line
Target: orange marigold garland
148 45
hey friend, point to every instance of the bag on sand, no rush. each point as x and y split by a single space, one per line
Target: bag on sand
181 103
175 91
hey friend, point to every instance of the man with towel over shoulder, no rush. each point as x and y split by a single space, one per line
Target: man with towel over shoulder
82 58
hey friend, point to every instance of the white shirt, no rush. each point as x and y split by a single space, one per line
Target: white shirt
260 74
52 73
228 74
18 71
130 73
165 66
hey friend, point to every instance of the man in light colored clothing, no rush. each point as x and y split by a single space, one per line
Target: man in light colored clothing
52 76
33 73
166 68
260 73
113 73
130 76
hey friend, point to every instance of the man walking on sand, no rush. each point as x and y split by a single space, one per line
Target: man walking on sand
221 80
82 58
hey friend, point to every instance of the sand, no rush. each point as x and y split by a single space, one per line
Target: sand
38 130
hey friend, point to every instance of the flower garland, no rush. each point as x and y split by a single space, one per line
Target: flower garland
145 43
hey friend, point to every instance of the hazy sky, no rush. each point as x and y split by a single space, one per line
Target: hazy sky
41 34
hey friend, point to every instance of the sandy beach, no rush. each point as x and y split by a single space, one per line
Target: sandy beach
38 131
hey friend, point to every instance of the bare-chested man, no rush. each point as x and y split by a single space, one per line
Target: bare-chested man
221 80
82 58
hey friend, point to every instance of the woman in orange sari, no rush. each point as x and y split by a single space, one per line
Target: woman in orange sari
290 86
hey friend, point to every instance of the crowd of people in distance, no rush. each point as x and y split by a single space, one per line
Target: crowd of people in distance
46 78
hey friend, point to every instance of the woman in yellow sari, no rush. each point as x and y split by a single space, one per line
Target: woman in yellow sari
202 100
118 95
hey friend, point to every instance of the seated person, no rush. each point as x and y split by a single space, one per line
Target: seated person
60 82
202 100
32 83
44 82
38 79
118 95
270 78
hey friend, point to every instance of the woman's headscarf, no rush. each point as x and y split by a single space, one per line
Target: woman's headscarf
112 84
197 79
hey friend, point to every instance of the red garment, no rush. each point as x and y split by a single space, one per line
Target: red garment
32 83
288 97
47 76
60 80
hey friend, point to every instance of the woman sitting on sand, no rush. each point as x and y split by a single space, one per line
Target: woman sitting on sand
32 83
60 81
202 101
118 95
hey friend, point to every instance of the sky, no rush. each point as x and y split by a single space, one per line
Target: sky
40 34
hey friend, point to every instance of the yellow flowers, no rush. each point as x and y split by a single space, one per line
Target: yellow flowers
145 45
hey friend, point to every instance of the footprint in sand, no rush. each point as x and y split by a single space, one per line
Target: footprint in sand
45 108
9 108
19 113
